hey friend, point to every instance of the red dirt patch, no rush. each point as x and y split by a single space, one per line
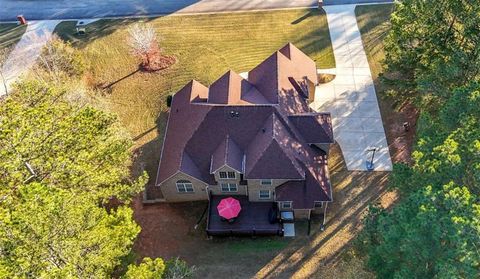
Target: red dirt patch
401 140
168 229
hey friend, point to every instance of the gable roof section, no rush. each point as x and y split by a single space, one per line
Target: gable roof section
269 147
227 154
314 127
176 135
302 66
188 166
265 76
232 89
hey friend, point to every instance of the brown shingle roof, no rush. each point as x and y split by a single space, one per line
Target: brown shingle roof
227 154
314 127
247 117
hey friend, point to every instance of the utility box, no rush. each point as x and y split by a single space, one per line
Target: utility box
21 19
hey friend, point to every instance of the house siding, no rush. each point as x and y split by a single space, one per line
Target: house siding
226 168
169 189
301 213
217 190
254 187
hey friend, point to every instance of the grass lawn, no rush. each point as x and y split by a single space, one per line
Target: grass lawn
206 46
10 34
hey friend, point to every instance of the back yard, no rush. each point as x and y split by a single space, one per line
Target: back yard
206 46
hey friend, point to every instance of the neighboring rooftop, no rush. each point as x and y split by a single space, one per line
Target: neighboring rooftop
262 127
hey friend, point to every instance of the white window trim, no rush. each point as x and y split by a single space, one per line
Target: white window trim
287 202
264 198
227 175
183 185
270 182
220 175
229 186
234 175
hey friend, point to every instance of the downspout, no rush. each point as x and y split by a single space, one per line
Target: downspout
324 216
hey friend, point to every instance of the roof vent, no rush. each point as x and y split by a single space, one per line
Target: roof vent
234 114
264 130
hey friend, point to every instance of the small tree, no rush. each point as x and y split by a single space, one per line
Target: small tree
59 59
178 269
143 42
147 269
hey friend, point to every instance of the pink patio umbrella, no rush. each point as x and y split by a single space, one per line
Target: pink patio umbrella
229 208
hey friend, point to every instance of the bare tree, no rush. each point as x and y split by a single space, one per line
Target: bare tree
143 42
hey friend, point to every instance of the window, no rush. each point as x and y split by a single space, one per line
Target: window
264 194
287 205
227 174
184 186
318 204
229 187
266 182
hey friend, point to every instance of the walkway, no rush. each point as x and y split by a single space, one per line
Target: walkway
27 50
351 97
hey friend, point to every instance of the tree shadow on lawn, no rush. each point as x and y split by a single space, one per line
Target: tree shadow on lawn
308 255
302 18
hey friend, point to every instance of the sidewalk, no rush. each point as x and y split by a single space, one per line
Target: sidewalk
27 50
351 97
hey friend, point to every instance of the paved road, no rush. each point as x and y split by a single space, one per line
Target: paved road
26 51
351 97
71 9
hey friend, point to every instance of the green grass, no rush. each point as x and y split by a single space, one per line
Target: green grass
206 46
374 24
259 245
10 34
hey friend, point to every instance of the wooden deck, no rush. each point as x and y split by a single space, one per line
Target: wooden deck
252 220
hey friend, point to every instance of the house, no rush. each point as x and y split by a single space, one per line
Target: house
255 139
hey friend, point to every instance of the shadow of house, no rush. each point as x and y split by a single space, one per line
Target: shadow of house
146 157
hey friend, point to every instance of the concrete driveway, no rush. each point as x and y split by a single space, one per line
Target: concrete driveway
351 97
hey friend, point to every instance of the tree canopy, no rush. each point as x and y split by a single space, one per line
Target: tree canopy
434 46
60 162
433 58
432 234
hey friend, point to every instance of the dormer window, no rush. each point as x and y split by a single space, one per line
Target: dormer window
266 182
227 175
